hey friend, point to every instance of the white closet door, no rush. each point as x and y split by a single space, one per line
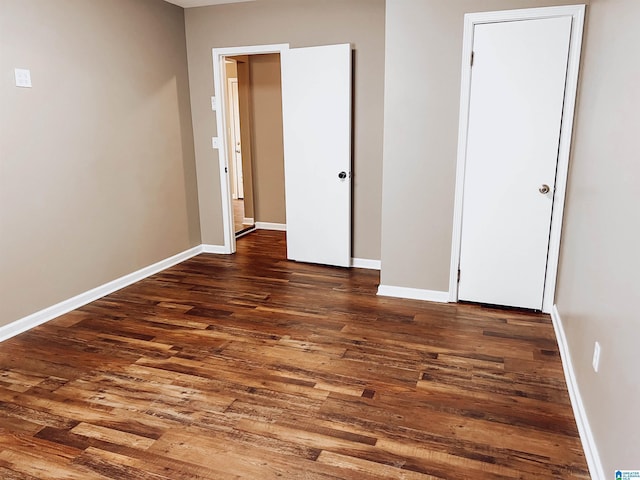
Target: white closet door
517 93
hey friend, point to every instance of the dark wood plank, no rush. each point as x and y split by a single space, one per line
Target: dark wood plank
251 366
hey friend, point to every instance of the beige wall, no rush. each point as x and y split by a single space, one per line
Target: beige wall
300 23
231 69
598 286
244 101
97 175
423 54
266 130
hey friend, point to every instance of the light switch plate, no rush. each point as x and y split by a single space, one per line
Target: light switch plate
23 77
214 142
214 103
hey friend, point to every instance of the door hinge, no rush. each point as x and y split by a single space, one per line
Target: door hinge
472 55
226 170
458 275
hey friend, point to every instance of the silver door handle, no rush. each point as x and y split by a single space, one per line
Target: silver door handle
544 189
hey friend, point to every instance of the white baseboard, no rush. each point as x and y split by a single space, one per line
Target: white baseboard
49 313
586 435
218 249
245 231
413 293
365 263
282 227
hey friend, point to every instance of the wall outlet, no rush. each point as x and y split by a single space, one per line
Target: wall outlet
596 357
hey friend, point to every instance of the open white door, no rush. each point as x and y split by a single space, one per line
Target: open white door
316 111
515 116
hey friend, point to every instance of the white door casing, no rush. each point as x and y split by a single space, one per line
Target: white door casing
219 82
316 101
514 99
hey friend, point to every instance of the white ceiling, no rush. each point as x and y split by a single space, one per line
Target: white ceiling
202 3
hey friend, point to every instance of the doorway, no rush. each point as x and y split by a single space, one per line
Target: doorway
238 120
315 108
517 100
240 56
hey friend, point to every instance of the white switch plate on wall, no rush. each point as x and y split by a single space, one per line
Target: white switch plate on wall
214 142
23 77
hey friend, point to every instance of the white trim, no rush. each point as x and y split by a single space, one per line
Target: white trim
463 120
223 167
219 55
413 293
247 231
204 3
365 263
586 435
564 151
49 313
470 20
217 249
282 227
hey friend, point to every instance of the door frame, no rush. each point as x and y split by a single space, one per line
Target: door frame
577 12
237 172
220 92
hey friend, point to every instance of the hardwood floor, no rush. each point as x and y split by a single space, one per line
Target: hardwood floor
250 366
